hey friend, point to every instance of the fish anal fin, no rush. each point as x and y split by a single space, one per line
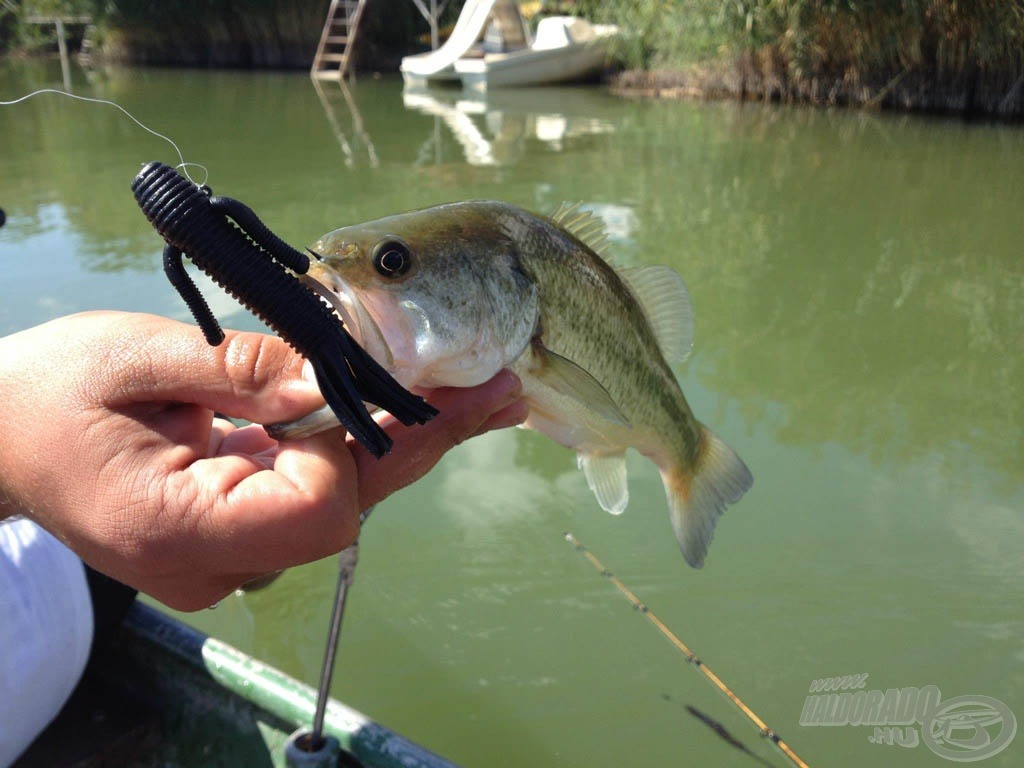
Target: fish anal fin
606 477
569 379
666 303
696 500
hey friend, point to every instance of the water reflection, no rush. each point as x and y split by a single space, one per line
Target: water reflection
491 129
871 286
355 143
496 128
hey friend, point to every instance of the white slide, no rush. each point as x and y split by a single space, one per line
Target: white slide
440 64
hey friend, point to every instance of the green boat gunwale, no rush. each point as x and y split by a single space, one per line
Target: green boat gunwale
211 704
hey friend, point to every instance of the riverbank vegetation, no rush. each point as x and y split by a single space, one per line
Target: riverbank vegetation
938 55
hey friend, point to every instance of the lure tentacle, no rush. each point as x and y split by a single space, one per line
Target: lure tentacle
174 268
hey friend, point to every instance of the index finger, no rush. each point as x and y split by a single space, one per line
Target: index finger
252 376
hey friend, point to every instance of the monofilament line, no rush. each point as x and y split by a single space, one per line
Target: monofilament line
691 657
183 165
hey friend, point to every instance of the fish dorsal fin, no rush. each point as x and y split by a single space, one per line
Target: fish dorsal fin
666 302
585 226
566 377
660 290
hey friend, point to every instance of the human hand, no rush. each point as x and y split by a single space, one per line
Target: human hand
111 443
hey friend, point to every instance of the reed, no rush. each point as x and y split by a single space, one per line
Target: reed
944 55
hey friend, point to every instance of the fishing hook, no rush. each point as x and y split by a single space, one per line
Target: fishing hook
227 241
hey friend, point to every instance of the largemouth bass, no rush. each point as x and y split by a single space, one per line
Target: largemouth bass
450 295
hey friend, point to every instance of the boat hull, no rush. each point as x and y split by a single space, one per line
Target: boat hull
568 64
179 698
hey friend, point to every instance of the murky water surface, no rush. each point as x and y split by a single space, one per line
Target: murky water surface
859 294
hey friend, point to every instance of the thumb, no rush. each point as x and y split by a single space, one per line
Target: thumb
249 376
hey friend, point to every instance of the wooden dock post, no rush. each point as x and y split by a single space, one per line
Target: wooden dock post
62 44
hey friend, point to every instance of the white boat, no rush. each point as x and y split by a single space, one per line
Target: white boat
566 49
491 47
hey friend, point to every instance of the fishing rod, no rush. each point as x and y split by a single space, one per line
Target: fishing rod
691 657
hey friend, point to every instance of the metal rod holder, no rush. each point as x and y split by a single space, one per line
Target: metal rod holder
348 559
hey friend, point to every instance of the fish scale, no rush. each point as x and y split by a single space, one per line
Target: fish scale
613 338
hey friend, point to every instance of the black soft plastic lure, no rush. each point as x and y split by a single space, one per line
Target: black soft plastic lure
227 241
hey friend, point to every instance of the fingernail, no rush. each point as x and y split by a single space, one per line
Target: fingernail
306 383
308 374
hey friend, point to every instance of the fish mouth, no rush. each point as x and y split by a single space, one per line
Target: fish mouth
327 284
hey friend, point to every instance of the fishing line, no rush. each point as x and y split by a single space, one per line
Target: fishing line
183 165
691 657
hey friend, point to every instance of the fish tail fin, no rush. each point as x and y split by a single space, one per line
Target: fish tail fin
698 496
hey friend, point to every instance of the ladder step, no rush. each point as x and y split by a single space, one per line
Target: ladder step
332 57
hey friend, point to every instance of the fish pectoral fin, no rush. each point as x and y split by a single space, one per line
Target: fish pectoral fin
666 303
566 377
606 477
697 500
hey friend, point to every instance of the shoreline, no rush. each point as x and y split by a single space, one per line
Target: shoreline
966 97
969 97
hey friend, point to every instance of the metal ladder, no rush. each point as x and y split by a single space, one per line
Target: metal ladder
334 52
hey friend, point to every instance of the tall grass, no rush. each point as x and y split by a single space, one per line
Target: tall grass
960 55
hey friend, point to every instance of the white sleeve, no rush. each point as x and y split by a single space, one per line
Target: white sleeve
45 631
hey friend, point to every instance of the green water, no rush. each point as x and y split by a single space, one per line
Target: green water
859 294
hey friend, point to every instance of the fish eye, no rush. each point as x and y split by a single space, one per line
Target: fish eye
392 258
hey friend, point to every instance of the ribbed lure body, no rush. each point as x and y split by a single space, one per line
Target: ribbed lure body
227 241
